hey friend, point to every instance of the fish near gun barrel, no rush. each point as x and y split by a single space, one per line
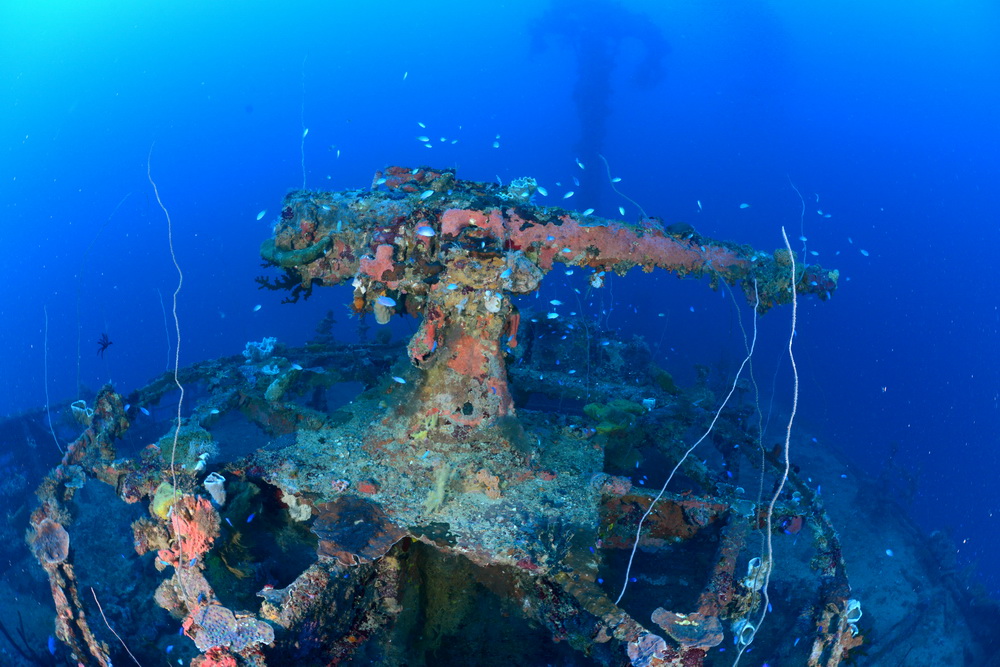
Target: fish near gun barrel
453 252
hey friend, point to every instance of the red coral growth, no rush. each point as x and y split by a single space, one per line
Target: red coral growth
413 180
792 525
454 220
367 487
470 356
196 525
527 564
513 322
379 265
495 223
215 657
616 486
424 341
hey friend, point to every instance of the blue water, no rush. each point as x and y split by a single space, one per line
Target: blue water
883 117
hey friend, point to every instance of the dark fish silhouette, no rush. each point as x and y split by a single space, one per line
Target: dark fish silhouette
103 344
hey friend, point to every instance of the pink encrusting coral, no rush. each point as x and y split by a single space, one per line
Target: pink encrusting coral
381 264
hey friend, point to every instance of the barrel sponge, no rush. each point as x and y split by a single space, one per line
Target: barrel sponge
50 542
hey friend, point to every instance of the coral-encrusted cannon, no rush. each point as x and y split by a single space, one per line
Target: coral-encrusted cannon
453 252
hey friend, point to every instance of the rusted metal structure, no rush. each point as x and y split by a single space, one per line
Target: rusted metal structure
433 466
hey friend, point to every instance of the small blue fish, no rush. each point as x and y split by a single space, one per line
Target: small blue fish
568 194
170 648
380 181
256 308
127 406
452 286
505 274
52 645
542 191
250 518
296 367
144 411
396 378
425 231
386 301
229 522
213 411
426 193
588 211
192 561
262 214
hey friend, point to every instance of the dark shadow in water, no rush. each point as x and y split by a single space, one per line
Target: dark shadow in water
597 33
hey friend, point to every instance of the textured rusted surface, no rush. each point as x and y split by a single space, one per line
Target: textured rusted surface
353 531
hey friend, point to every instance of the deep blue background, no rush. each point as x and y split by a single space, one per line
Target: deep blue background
884 111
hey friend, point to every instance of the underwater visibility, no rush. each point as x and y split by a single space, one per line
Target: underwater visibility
361 348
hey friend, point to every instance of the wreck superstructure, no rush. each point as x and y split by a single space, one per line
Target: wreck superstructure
433 463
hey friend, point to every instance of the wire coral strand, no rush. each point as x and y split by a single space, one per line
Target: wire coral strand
769 567
177 322
45 381
618 192
718 413
101 609
177 362
788 429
